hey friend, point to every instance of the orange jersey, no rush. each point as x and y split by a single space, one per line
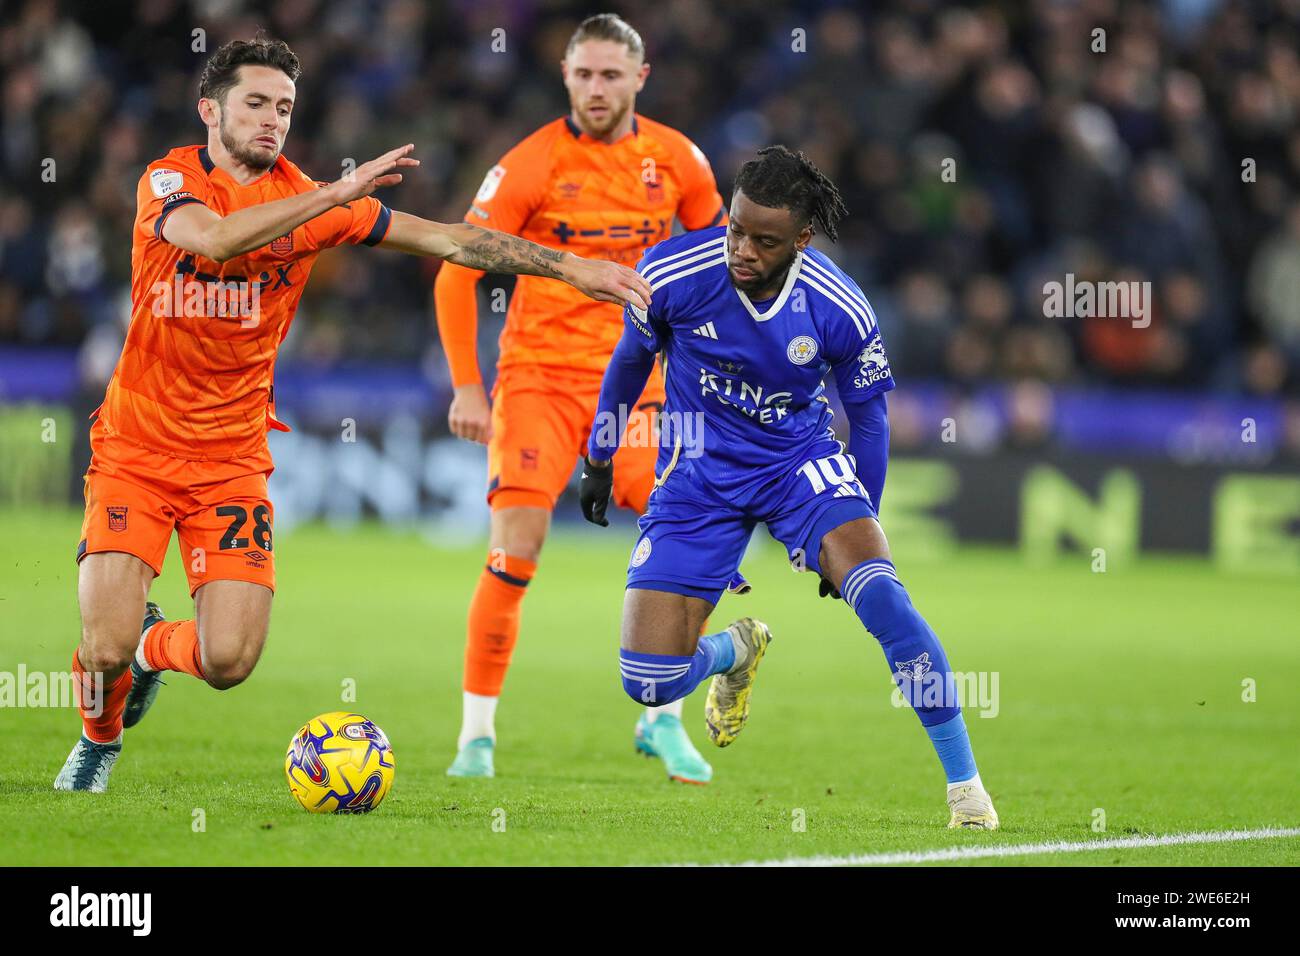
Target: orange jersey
194 378
563 189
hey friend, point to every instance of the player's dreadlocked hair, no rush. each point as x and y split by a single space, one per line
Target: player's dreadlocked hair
782 179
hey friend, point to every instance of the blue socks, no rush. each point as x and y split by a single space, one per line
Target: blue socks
658 679
952 745
914 653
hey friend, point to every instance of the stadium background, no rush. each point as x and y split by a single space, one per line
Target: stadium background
1155 694
1171 157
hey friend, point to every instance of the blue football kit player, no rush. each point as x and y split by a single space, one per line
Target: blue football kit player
750 318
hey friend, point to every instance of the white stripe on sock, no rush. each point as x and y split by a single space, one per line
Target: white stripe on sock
139 652
861 580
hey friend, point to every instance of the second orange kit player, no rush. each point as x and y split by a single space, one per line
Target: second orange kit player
603 182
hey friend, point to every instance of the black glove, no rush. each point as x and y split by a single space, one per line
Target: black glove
594 491
826 588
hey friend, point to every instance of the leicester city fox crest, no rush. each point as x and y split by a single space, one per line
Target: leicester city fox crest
914 669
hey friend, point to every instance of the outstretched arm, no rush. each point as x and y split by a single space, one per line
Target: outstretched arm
492 251
197 229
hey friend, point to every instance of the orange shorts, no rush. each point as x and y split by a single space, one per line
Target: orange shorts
541 420
219 509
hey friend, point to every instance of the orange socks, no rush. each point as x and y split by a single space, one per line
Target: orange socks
494 624
174 646
169 646
101 706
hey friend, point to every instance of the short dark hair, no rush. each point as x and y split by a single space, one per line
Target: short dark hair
222 70
607 26
782 179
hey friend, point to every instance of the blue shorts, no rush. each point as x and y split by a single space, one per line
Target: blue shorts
692 539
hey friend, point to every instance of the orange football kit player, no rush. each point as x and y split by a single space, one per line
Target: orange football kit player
225 237
606 182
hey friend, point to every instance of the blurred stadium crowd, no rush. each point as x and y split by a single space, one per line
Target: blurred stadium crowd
1172 157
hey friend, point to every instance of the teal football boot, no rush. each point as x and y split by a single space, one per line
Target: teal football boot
666 739
88 766
474 759
144 684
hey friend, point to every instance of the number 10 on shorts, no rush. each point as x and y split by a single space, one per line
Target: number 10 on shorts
834 471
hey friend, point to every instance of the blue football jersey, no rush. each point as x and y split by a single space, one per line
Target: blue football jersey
744 379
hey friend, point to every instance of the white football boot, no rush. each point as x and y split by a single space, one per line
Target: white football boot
972 808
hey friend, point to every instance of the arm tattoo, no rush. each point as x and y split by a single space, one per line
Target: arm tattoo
494 251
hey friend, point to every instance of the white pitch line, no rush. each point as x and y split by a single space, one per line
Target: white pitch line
1028 849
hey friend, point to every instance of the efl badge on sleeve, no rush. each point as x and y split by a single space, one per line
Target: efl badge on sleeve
116 518
491 182
163 182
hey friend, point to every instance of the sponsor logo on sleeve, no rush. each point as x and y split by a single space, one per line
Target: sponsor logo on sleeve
164 182
874 364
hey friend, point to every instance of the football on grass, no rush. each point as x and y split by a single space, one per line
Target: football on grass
339 763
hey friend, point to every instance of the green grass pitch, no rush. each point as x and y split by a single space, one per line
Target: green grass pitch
1119 691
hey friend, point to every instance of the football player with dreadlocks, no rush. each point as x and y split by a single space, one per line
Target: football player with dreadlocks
750 318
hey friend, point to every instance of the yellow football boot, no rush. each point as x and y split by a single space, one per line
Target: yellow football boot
727 707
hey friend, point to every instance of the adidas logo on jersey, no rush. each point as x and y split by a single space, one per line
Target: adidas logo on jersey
706 330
